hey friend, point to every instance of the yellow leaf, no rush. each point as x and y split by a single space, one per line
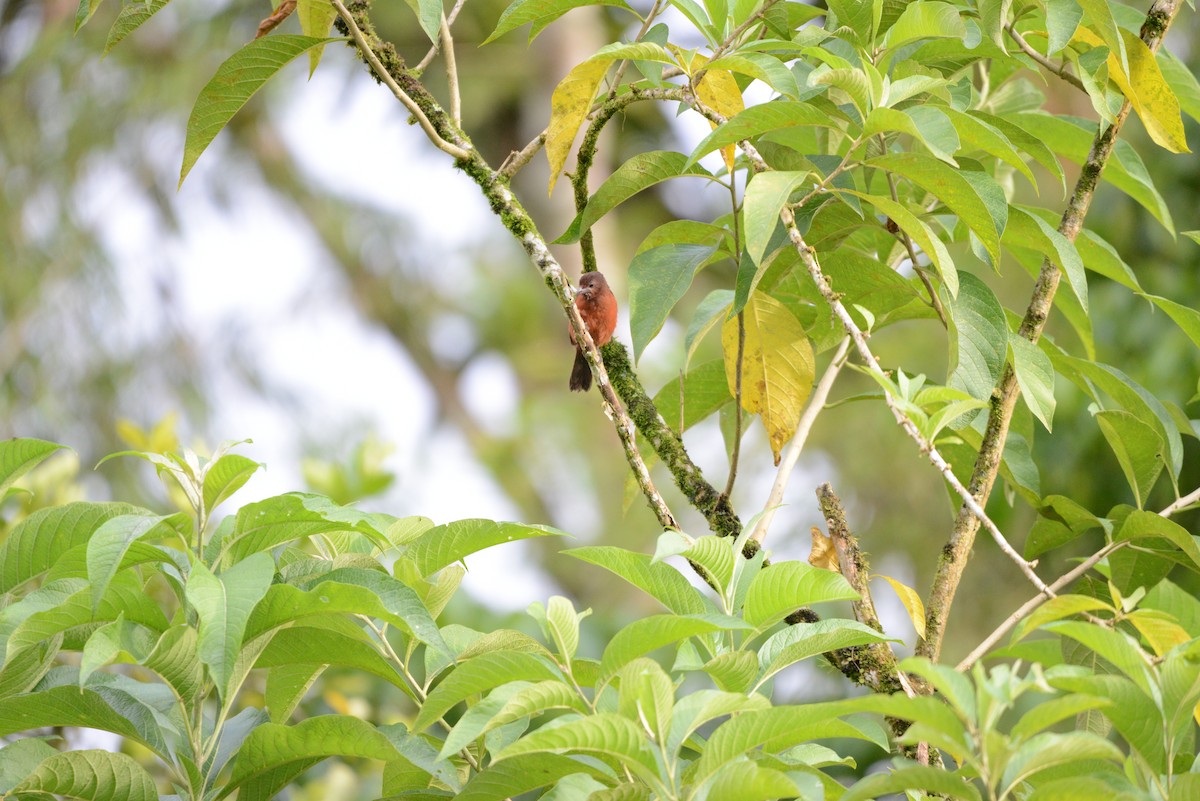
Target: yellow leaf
823 554
719 91
568 109
1160 630
1146 89
912 603
159 439
316 18
777 366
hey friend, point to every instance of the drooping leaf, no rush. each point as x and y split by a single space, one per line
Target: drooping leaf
805 640
777 366
911 601
604 733
661 581
924 778
540 11
718 91
235 82
658 279
953 188
765 196
19 456
224 604
477 675
784 587
760 119
448 543
980 338
1138 447
651 633
273 754
1035 376
91 775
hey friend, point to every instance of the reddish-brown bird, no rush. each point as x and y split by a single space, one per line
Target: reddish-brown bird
598 308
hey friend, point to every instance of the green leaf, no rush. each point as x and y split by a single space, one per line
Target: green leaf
765 196
1101 257
658 279
429 16
641 172
24 669
768 69
935 131
647 696
1182 82
1035 376
977 134
1140 525
922 235
84 12
1073 139
1051 750
1028 229
110 642
705 391
286 687
108 546
20 758
1047 713
1115 646
174 657
224 604
1187 318
1062 18
923 778
65 705
477 675
747 781
226 476
352 591
542 12
91 776
925 19
235 82
36 543
713 554
266 524
804 640
733 671
659 580
960 194
272 754
520 774
301 645
19 456
979 340
774 729
604 734
446 544
1057 608
760 119
1138 447
533 699
651 633
784 587
699 707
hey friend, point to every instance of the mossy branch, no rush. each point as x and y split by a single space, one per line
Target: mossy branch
391 70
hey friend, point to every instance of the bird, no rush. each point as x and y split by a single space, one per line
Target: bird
598 308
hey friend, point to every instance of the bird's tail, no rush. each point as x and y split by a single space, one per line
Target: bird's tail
581 373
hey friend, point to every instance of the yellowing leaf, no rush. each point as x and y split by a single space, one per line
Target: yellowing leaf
777 366
912 603
1160 630
316 18
568 108
823 554
1146 89
719 91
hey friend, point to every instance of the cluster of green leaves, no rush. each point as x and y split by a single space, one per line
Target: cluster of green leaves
906 137
200 652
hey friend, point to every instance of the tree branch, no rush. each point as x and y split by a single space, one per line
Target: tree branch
516 220
1004 399
1045 63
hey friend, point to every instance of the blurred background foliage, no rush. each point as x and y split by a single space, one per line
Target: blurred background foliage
89 153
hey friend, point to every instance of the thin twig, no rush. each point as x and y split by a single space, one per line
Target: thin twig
519 158
433 51
1047 64
383 75
816 403
1036 601
451 73
646 23
934 300
1181 503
